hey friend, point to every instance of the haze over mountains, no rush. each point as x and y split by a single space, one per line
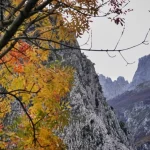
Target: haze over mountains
131 101
112 89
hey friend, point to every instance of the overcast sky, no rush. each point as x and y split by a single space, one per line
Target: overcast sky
105 35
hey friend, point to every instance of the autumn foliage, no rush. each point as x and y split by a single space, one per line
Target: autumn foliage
39 89
31 31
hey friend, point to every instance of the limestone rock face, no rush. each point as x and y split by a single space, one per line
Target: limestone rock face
142 73
93 125
111 88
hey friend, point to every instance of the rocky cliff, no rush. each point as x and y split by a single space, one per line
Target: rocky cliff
142 73
93 124
111 88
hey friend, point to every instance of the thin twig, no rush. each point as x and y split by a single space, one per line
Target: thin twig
125 59
120 38
29 117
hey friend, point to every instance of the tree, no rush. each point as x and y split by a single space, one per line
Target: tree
38 89
31 30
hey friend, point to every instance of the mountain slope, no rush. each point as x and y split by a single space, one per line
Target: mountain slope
133 107
93 125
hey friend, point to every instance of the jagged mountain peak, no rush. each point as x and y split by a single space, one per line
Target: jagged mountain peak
121 79
142 73
114 88
93 125
104 77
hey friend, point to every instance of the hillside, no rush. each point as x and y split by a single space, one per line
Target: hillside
132 103
93 125
133 107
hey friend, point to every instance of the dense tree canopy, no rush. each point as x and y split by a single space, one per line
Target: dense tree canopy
30 31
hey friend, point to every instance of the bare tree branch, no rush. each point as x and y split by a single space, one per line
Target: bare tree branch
125 59
67 46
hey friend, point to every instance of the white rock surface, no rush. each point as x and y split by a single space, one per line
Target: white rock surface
93 125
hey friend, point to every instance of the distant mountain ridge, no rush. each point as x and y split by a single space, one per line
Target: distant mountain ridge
112 89
132 102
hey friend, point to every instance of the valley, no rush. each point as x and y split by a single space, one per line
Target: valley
132 102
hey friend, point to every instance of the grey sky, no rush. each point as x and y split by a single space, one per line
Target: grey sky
106 34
